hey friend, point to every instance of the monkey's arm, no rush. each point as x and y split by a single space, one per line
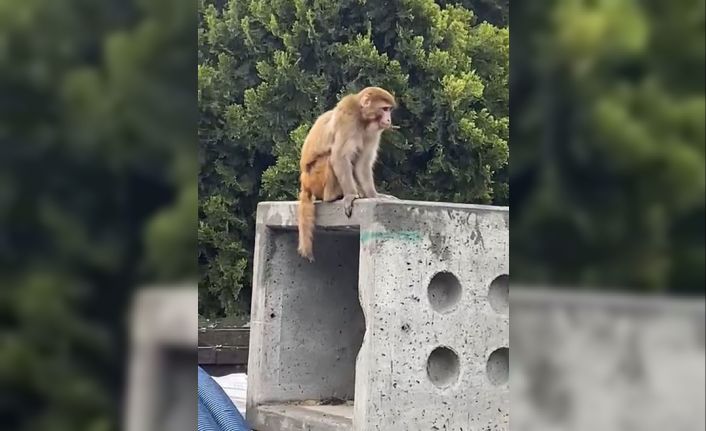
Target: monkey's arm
364 172
343 169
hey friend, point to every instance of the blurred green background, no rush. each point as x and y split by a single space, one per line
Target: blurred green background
98 195
607 133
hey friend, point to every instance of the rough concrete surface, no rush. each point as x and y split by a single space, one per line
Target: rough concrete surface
300 418
586 362
405 310
161 377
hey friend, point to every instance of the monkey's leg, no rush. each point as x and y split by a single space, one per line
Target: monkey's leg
344 148
332 195
332 190
343 169
364 174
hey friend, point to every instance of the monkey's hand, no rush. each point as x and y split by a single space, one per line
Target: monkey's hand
348 204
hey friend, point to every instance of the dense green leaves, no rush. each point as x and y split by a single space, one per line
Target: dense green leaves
608 137
267 69
97 195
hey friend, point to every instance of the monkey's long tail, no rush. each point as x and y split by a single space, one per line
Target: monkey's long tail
306 225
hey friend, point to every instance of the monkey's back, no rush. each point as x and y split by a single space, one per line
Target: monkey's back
317 142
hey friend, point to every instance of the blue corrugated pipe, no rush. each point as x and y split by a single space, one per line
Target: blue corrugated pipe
216 412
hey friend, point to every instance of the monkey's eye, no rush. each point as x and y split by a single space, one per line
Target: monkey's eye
387 108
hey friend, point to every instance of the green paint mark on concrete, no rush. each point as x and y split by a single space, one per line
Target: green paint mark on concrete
410 236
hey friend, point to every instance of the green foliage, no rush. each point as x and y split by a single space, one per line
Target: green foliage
608 145
267 69
97 195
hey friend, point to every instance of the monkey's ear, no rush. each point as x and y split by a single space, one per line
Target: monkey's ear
365 100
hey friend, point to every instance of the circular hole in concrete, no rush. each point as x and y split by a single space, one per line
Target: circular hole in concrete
499 294
443 367
444 292
498 366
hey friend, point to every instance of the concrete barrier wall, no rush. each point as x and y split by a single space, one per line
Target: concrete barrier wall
403 318
404 313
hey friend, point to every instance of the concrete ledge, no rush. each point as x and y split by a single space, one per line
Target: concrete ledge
309 418
404 312
284 214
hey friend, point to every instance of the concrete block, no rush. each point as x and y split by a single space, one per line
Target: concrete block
402 320
161 380
609 362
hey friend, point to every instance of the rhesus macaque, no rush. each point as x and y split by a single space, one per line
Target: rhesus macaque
338 156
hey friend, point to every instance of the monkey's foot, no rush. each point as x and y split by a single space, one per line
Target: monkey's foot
348 204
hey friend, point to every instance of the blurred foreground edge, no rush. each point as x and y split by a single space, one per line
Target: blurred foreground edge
162 378
599 361
580 361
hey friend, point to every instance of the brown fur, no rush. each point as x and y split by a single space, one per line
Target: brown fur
348 134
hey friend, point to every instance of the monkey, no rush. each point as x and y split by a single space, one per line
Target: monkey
338 156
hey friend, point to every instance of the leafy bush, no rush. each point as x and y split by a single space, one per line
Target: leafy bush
267 69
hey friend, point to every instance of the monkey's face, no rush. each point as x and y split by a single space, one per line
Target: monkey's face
378 116
384 118
376 107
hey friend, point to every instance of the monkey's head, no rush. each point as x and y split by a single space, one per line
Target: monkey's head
376 107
